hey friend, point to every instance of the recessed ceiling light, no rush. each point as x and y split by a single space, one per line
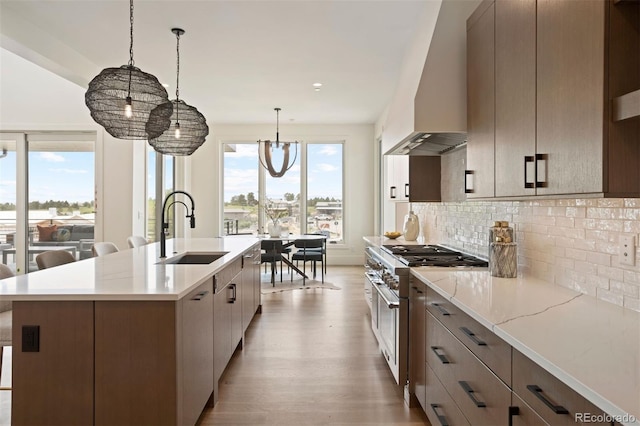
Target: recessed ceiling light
317 84
165 85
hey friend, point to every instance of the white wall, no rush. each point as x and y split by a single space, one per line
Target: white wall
206 178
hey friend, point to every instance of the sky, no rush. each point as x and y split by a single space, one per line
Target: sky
324 172
66 176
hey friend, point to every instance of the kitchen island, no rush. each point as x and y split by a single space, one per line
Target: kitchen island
571 339
129 338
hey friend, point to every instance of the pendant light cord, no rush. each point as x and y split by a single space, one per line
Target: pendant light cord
131 61
177 76
277 126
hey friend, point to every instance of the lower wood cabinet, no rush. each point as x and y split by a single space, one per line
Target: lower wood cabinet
417 338
440 408
520 414
480 395
471 376
554 401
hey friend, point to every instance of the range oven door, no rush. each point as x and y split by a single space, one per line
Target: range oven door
388 327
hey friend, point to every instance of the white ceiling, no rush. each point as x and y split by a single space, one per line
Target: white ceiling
238 59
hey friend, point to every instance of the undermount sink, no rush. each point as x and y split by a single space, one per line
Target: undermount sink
194 258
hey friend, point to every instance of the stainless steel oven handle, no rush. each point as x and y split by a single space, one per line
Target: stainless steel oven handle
390 304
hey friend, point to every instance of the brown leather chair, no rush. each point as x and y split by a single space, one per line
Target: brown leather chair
52 258
104 248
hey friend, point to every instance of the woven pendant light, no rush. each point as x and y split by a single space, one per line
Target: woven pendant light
121 99
266 147
188 128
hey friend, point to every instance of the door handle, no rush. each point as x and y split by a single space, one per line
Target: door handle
527 160
513 411
545 158
392 192
442 357
558 409
471 335
200 295
406 190
441 418
468 189
441 309
470 393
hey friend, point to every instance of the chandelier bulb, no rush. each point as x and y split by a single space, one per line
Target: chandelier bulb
177 134
128 110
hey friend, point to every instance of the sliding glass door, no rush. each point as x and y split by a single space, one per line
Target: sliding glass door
50 202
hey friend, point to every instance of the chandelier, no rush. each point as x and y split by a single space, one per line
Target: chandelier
188 127
120 99
266 149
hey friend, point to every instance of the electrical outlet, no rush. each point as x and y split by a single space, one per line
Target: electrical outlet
628 250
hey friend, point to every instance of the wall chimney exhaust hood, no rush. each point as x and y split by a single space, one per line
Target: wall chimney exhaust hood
440 103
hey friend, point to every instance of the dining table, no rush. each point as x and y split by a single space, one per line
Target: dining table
289 240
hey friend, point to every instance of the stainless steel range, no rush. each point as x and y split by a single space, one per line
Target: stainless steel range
387 285
387 293
433 255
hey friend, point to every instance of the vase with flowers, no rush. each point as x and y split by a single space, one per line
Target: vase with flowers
274 213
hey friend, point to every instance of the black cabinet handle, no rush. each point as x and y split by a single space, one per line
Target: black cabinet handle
471 335
232 286
470 393
392 192
406 190
513 411
441 309
442 419
558 409
200 295
442 357
539 183
467 190
528 159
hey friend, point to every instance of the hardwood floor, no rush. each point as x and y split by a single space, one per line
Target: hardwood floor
311 358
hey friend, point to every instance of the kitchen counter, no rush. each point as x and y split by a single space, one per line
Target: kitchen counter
590 345
133 274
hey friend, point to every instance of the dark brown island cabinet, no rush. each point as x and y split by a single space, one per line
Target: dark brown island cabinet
133 362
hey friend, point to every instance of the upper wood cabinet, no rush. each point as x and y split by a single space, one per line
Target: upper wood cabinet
480 102
414 178
561 118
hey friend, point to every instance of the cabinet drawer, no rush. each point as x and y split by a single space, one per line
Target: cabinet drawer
481 396
227 274
554 401
523 415
440 408
491 349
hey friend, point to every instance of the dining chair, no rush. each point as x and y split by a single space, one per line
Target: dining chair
308 252
5 317
136 241
103 249
322 249
272 253
51 258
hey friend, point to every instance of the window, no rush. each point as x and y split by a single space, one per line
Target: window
47 195
247 186
160 182
324 190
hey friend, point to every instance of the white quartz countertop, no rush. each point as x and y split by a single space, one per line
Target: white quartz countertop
133 274
590 345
